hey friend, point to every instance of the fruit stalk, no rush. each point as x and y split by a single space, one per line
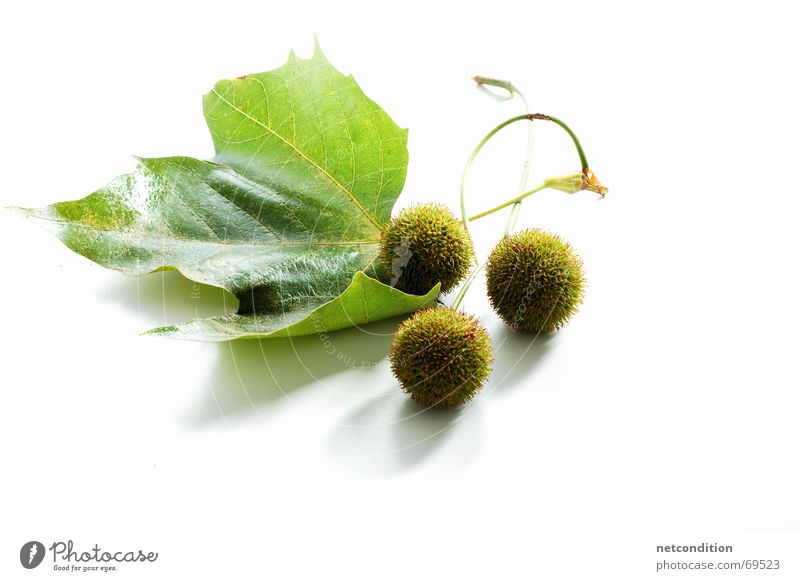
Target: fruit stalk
585 180
523 182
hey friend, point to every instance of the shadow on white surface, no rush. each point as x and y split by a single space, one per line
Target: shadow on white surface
381 434
391 434
518 355
252 375
166 297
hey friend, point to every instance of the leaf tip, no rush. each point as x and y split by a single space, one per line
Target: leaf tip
436 290
159 331
18 210
317 47
29 213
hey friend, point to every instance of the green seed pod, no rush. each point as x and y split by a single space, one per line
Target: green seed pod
441 357
535 281
423 245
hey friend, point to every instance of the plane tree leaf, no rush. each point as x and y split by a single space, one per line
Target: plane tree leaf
286 216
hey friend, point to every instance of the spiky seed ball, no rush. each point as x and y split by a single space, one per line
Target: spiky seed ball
423 245
441 357
535 281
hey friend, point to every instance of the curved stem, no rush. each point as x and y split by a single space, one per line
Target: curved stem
471 159
506 123
474 154
575 140
512 217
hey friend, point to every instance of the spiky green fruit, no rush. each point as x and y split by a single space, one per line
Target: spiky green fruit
535 281
423 245
441 357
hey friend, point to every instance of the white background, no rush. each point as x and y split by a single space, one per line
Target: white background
666 409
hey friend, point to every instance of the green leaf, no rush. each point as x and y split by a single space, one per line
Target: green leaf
364 300
306 172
